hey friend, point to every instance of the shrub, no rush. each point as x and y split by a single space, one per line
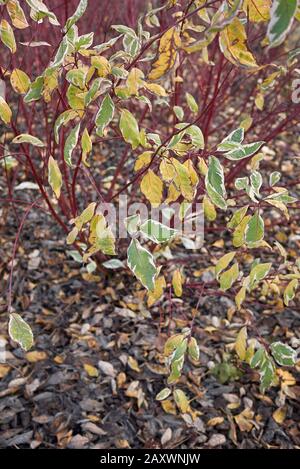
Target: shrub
189 94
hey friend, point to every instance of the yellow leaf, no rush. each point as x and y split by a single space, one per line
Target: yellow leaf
279 415
36 356
223 263
215 421
156 89
177 283
167 170
172 343
5 111
258 10
286 377
202 166
152 188
173 194
168 406
50 84
245 420
19 81
192 173
259 101
133 364
239 232
168 45
239 297
54 176
7 36
209 209
134 81
16 14
102 65
143 160
4 370
241 343
72 235
86 145
155 295
85 216
233 43
91 370
246 123
181 401
183 180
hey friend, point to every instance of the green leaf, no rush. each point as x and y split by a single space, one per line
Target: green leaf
113 264
35 90
180 350
283 354
245 151
129 128
54 176
195 133
132 223
61 53
228 277
282 197
242 183
255 229
141 263
105 114
77 77
267 373
105 240
63 119
26 138
232 141
7 36
70 144
176 367
179 113
256 182
92 93
214 182
20 331
191 102
257 358
157 232
266 366
282 15
274 178
258 273
77 15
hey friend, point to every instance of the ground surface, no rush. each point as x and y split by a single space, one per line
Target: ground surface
48 399
97 363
